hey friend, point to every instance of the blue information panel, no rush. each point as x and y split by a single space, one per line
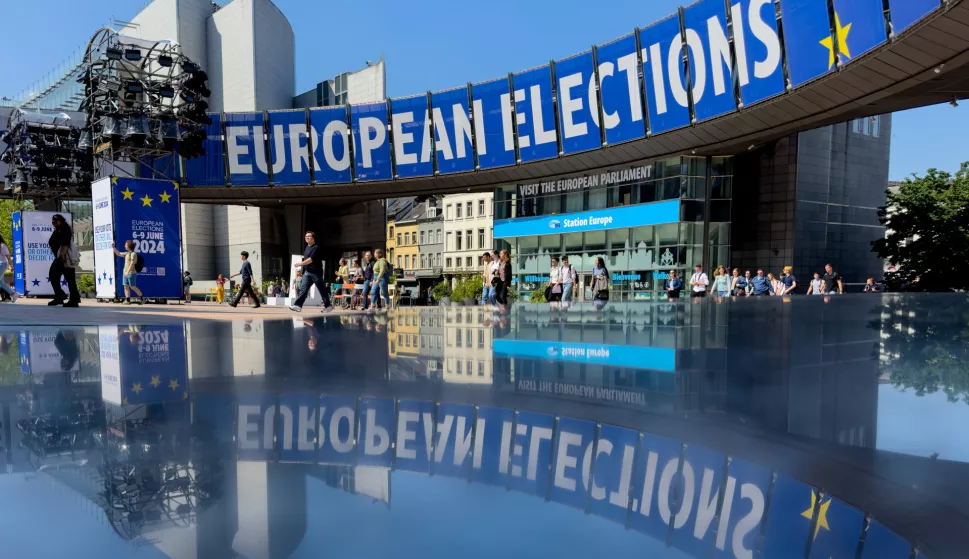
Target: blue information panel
376 428
17 232
669 105
699 484
744 504
628 216
455 430
637 357
789 519
147 213
452 131
493 437
153 364
807 39
208 169
289 147
709 56
614 468
371 147
655 502
622 102
331 145
531 452
572 462
337 428
578 107
859 27
246 149
298 427
412 136
758 48
415 435
535 115
907 12
493 128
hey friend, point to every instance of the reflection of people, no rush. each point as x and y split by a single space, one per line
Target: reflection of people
62 266
130 272
699 282
871 286
66 344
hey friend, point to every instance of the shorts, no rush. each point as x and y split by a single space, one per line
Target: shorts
130 280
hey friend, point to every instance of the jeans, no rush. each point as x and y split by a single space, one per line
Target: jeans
723 293
309 280
566 292
366 294
58 270
379 289
3 283
487 292
246 288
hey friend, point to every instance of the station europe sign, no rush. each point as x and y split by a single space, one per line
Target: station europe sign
702 63
598 220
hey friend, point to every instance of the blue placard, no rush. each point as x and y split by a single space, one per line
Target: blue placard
905 13
744 504
620 90
246 149
807 31
662 49
789 520
859 27
331 145
337 429
758 48
153 364
147 212
255 421
882 543
289 147
23 349
298 427
637 357
708 49
535 115
452 131
455 432
578 108
371 149
494 134
654 502
614 468
415 435
376 428
838 530
700 485
412 136
531 452
17 232
572 462
599 220
208 169
493 437
160 167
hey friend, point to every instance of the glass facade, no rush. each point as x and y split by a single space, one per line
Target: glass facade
638 258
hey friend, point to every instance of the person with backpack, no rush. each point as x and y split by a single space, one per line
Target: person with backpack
66 258
568 277
381 279
187 286
133 263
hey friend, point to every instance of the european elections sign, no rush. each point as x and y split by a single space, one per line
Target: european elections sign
622 101
289 147
905 13
493 130
368 123
412 136
246 149
208 169
535 115
143 365
710 60
42 351
452 131
578 105
105 271
859 27
331 145
758 48
663 71
598 220
807 40
31 255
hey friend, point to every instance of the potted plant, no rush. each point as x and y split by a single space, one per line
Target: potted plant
441 292
85 285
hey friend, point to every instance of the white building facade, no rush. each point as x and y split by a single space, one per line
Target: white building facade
468 232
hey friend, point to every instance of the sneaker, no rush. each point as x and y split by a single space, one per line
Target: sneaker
72 304
233 305
327 309
256 306
126 302
55 302
14 297
294 308
143 300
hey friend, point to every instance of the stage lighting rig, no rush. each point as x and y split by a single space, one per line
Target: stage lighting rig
43 155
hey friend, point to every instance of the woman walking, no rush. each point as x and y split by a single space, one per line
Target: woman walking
504 278
673 285
600 280
220 289
721 283
738 284
6 261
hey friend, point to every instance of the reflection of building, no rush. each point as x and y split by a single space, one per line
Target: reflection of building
468 358
468 232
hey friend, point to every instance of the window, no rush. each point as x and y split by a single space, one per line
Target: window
468 262
856 126
390 235
407 238
480 368
470 211
467 338
459 364
437 262
876 122
448 262
457 343
866 127
468 369
450 245
481 339
470 237
423 261
391 255
398 240
457 243
481 238
406 261
399 261
447 211
422 237
439 238
457 208
481 208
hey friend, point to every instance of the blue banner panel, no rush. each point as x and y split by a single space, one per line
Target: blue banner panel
859 27
412 136
493 439
161 167
147 213
669 105
376 428
758 47
599 220
255 427
700 486
452 131
455 431
838 530
246 148
905 13
535 115
531 452
298 427
215 415
807 39
331 145
710 60
208 169
744 502
882 543
789 519
289 147
621 92
337 429
153 364
371 148
494 134
572 459
578 107
613 479
654 503
415 435
17 232
637 357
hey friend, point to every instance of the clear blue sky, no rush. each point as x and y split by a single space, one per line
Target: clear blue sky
430 45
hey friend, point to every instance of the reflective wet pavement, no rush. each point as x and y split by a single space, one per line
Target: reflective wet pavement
811 427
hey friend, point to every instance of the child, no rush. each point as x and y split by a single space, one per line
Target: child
220 289
187 286
246 272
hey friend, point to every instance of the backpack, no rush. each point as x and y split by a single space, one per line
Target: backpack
139 263
73 255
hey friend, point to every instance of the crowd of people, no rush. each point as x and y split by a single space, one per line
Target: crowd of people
733 284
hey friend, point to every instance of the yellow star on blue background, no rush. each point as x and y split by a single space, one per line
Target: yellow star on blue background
155 381
173 384
165 196
842 33
137 388
822 513
127 193
146 201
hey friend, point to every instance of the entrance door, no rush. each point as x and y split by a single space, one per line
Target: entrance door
584 291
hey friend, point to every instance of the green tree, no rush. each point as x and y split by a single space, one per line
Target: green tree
928 232
7 208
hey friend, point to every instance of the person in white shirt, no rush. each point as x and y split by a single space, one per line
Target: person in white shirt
495 266
699 282
555 281
568 279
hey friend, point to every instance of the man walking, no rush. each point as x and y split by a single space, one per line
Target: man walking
246 272
699 282
832 280
368 263
63 266
486 289
312 274
761 286
495 265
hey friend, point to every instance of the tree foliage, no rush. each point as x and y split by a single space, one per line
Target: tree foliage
7 208
928 232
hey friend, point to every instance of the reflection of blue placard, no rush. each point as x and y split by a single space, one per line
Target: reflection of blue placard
700 485
535 115
153 364
882 543
298 427
24 350
789 520
494 134
907 12
453 451
246 149
337 428
452 131
758 47
146 212
662 47
653 504
255 427
331 145
415 435
619 88
215 414
494 431
638 357
859 27
838 530
208 169
376 428
371 148
744 503
531 452
578 108
289 147
806 28
614 466
572 459
412 137
710 61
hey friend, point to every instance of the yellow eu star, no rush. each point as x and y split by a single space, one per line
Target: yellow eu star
165 196
146 201
155 381
137 388
127 194
822 514
842 33
173 384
